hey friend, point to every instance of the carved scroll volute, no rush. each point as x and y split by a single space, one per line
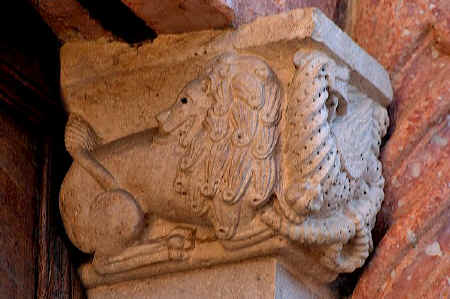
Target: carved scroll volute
330 165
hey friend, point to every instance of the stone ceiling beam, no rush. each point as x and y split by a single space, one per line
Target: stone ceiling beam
88 20
182 15
69 20
177 16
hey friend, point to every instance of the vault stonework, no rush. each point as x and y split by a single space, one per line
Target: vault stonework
215 147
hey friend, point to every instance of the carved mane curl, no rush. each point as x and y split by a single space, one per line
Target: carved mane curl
235 152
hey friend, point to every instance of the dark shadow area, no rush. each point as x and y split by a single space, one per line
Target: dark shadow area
29 61
30 94
29 44
118 18
346 282
340 14
64 258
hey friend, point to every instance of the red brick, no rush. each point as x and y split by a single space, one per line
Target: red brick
410 261
410 38
392 30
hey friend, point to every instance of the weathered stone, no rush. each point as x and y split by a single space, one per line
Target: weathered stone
185 16
246 11
141 76
416 158
69 20
270 148
393 30
422 101
182 16
420 219
259 278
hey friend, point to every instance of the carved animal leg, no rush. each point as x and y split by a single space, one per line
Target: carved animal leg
174 246
117 221
347 257
179 241
96 170
80 139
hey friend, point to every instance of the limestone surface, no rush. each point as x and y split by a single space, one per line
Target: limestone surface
217 146
264 278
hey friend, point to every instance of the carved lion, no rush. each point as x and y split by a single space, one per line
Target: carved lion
217 163
209 163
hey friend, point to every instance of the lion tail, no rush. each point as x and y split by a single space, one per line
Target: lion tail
79 135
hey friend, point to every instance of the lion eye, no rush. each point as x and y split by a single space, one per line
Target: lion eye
184 101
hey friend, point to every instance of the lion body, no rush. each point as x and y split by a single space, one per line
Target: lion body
148 179
216 165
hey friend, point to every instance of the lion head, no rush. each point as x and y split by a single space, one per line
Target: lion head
190 108
233 113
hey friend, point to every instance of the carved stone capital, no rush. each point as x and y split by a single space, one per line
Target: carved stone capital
219 146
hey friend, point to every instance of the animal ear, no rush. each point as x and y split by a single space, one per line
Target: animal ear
248 89
262 72
206 84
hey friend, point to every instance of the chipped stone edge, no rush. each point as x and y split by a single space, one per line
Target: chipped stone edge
346 49
311 22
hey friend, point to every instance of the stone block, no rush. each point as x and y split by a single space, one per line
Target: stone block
185 16
246 11
100 80
69 20
214 147
260 278
182 16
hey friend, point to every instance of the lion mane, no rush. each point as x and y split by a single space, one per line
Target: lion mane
234 153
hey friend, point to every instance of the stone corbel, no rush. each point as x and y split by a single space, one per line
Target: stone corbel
215 147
